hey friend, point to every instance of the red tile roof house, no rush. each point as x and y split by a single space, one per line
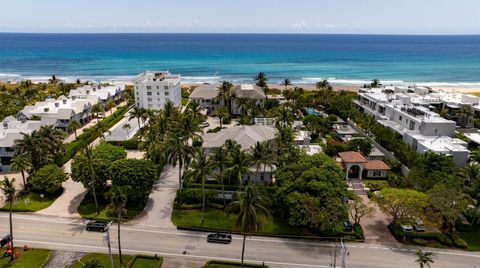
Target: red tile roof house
356 166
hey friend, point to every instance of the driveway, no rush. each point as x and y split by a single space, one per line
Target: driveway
158 211
375 229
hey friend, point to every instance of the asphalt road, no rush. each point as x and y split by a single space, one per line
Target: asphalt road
68 234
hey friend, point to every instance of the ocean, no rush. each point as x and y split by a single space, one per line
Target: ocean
199 58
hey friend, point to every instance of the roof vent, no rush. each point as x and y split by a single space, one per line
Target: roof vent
57 104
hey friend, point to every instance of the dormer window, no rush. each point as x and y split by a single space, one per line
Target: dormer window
46 109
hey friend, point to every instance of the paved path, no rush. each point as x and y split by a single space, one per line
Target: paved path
63 259
158 211
375 229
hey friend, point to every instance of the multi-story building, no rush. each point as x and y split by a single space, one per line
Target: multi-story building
246 91
104 93
409 114
154 89
206 96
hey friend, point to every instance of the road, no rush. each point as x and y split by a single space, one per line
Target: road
67 234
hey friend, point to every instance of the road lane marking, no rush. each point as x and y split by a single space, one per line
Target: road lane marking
173 254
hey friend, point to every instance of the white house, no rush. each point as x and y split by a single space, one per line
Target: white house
155 88
103 93
206 96
248 91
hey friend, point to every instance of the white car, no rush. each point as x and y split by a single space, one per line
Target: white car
204 124
406 228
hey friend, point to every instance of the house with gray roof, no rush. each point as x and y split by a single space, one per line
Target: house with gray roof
249 91
102 93
206 96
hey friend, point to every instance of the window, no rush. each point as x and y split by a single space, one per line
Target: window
377 173
166 93
158 87
136 92
158 99
158 93
400 117
149 93
166 87
149 87
150 106
149 99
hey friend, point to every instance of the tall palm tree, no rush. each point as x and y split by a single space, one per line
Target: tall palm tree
170 110
424 259
138 114
21 164
218 158
285 116
53 80
127 127
239 163
89 160
261 80
118 200
284 138
74 125
220 113
242 104
178 152
375 83
8 188
33 149
286 82
322 84
194 110
225 94
250 210
200 169
189 128
100 128
262 154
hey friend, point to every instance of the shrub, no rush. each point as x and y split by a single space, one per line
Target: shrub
48 179
419 241
138 175
227 120
214 130
459 242
193 196
358 231
376 185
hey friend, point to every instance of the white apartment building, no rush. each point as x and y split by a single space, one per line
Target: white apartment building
155 88
409 115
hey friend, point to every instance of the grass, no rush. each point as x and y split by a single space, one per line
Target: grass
33 258
146 262
104 260
31 202
472 238
229 264
87 209
217 220
185 101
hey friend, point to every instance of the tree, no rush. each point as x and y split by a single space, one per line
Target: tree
195 111
109 106
239 163
33 148
250 210
358 209
118 200
284 116
286 82
262 154
284 138
401 204
375 83
447 204
48 179
137 174
189 128
87 161
220 113
261 80
430 169
218 159
137 113
362 145
178 152
74 125
226 95
96 109
200 169
127 127
21 164
53 80
92 264
8 188
424 258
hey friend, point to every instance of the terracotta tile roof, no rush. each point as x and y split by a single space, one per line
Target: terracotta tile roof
376 165
352 157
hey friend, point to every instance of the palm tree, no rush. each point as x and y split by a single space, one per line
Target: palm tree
218 158
286 82
127 127
284 116
170 110
322 84
261 80
96 109
8 188
242 105
284 138
74 125
424 259
220 113
20 163
194 110
189 128
137 113
250 210
239 163
262 155
200 169
53 80
109 106
89 160
118 200
375 83
178 152
225 94
31 147
100 128
78 82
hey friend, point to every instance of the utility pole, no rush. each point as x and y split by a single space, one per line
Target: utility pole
334 264
344 253
106 237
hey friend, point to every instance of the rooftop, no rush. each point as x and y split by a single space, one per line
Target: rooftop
248 91
205 91
376 165
352 157
156 76
246 136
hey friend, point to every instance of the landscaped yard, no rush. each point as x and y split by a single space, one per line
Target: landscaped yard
104 260
472 238
228 264
87 209
31 202
33 258
146 262
217 220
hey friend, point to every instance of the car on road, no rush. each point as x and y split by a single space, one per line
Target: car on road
219 238
97 226
204 124
347 226
406 228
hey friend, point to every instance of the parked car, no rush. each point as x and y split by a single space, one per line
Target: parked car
419 226
5 240
406 228
97 226
204 124
219 238
347 226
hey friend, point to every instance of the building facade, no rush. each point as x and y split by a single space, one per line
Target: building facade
154 89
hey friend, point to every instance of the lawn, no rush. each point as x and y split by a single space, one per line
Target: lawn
31 202
185 101
472 238
33 258
217 220
229 264
104 260
146 262
87 209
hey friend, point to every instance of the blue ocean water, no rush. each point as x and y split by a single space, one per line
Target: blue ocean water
237 57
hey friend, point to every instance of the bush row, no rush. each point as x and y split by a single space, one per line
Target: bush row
422 237
127 144
213 186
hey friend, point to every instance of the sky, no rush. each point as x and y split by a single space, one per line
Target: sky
243 16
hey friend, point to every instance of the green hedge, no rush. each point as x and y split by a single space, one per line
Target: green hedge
127 144
193 196
88 136
416 237
228 264
213 186
147 257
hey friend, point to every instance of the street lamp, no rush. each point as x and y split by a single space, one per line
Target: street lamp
106 238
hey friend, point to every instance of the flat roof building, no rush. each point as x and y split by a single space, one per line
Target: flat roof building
153 89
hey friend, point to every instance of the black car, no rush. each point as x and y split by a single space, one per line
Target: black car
97 226
5 240
219 238
347 226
